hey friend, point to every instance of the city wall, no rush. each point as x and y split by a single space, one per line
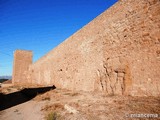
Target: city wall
117 53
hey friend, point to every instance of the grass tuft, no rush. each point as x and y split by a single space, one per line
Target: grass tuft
53 116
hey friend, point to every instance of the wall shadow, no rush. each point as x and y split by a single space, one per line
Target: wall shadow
13 99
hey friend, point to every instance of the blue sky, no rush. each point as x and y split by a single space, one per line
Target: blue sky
41 25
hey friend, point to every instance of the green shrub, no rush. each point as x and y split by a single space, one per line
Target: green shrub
53 116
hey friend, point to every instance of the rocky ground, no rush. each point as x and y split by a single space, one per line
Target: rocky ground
63 104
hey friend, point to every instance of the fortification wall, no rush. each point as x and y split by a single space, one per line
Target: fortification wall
22 60
71 65
132 48
118 53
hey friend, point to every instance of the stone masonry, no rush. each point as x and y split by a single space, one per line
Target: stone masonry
117 53
22 60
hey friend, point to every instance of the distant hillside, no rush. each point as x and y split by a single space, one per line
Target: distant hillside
5 78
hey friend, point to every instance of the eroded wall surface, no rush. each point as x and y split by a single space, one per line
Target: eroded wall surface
117 53
131 48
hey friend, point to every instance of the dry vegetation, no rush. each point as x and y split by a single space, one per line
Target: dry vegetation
91 105
63 104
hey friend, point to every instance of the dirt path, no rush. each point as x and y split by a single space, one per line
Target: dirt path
30 110
68 105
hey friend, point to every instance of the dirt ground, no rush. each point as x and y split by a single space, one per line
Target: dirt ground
63 104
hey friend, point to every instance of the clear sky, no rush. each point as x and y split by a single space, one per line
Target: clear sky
40 25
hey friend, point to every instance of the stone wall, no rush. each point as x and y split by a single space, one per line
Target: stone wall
22 60
131 48
117 53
